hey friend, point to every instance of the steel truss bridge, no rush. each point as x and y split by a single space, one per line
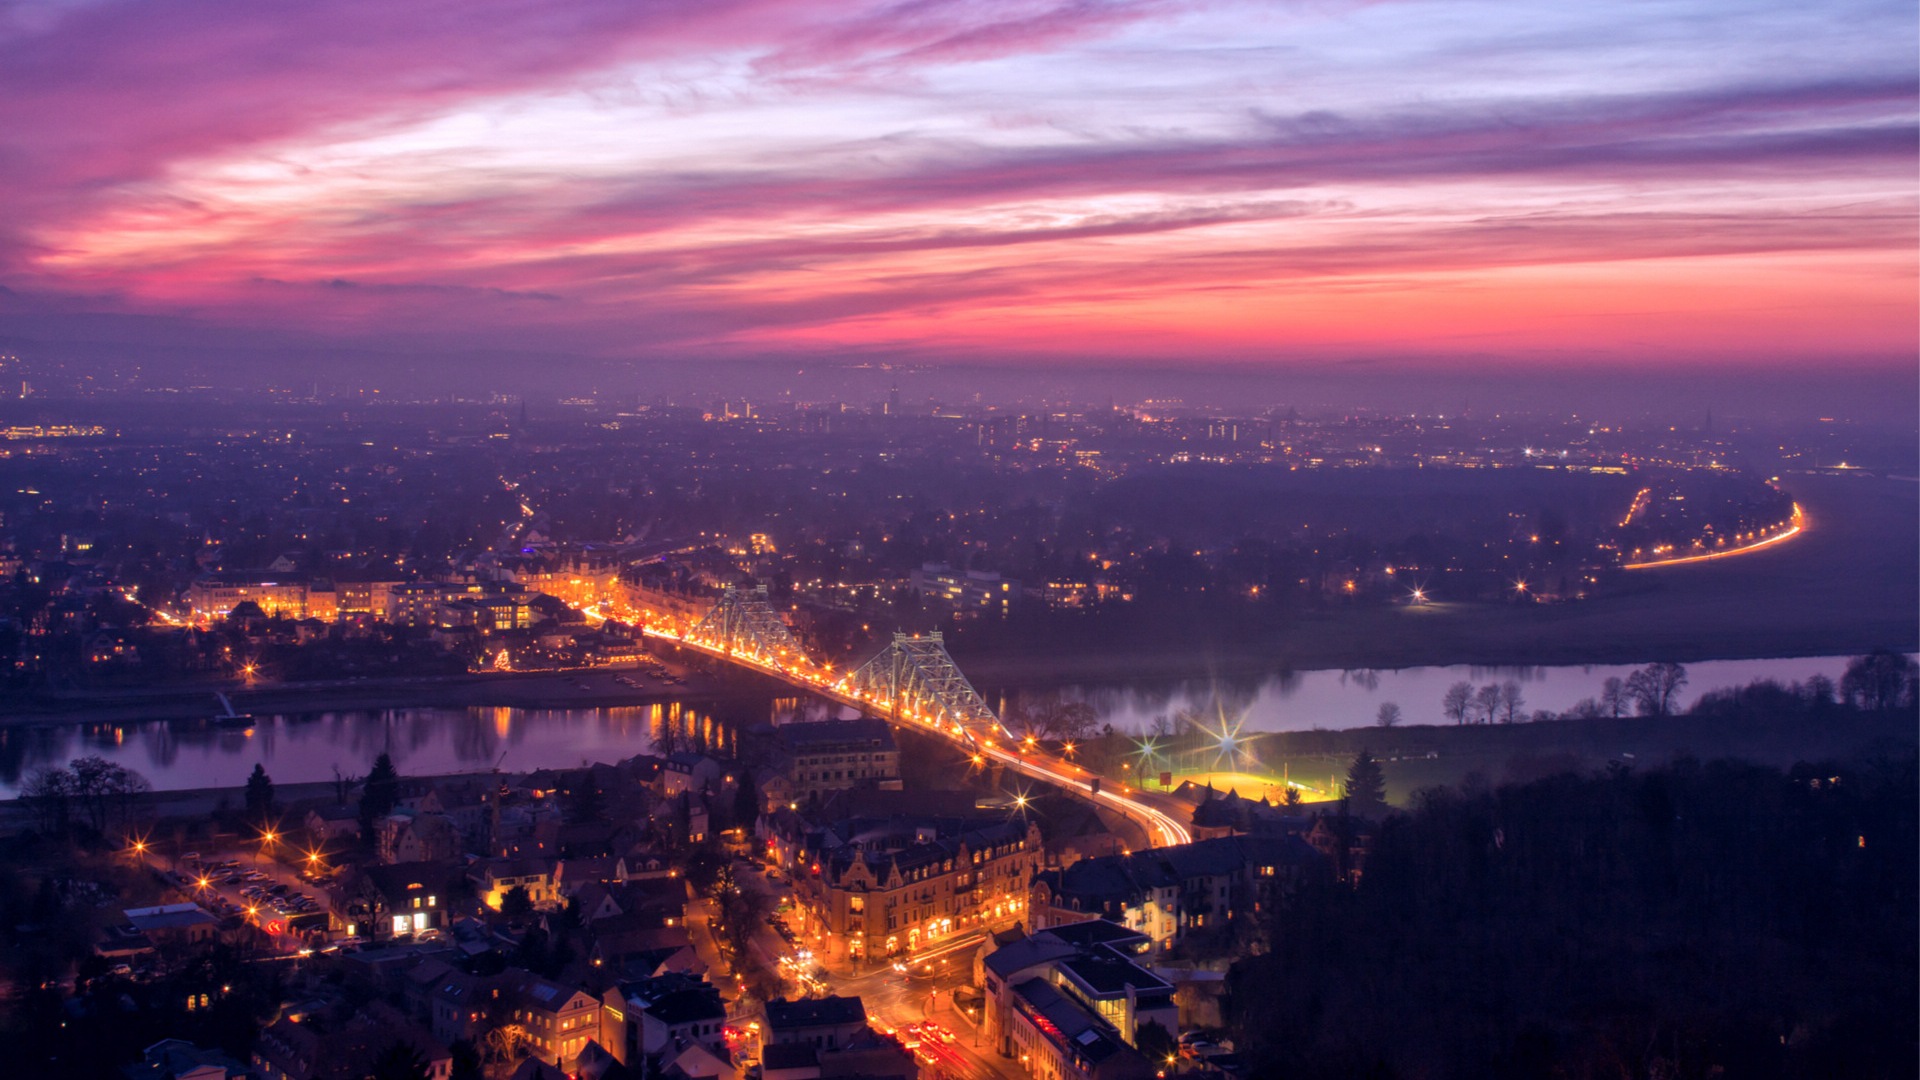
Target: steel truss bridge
912 682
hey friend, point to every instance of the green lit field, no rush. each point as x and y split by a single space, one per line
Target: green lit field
1255 785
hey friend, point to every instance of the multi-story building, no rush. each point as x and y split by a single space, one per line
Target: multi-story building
964 591
1168 893
555 1022
213 596
1070 1003
834 755
656 1018
871 888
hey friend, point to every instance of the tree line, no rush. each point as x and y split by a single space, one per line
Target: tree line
1693 921
1882 680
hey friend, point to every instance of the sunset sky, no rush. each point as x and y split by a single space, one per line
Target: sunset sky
1705 182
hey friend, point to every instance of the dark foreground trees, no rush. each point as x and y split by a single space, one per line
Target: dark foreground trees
1692 921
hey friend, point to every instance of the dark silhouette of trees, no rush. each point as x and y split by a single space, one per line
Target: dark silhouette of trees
400 1061
1388 715
259 795
1457 701
1614 699
1366 788
98 791
1486 703
517 903
586 803
1878 681
1510 702
379 795
1691 921
1655 688
1155 1042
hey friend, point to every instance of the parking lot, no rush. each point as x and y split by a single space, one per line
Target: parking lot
267 894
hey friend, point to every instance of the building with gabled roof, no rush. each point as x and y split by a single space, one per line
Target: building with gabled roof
1169 893
870 888
1070 1002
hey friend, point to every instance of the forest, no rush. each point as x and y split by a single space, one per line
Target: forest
1700 919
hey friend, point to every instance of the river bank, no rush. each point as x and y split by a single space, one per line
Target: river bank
592 688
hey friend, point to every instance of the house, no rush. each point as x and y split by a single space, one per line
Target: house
417 836
381 902
343 1046
1070 1002
697 1061
555 1021
626 946
328 825
696 773
493 879
825 1023
1169 893
649 1018
173 924
178 1059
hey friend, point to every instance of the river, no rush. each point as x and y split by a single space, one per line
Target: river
307 747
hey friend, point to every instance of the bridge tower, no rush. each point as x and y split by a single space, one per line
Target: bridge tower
915 680
742 623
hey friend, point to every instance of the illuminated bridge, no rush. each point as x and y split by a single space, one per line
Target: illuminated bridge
911 683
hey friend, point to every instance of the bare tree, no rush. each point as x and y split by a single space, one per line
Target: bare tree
104 789
1389 714
1655 687
1877 680
1456 701
49 794
1486 703
1510 701
1614 697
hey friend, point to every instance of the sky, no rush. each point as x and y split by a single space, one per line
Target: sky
1697 185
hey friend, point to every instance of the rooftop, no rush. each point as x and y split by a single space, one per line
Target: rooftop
814 1012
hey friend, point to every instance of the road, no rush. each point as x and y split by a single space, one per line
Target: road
1795 526
1151 812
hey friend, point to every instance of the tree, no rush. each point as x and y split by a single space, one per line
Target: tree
259 794
379 795
1366 785
342 786
1155 1042
1613 697
1820 691
1293 798
1510 701
1456 701
517 903
1653 688
104 789
49 794
400 1061
586 804
1486 703
466 1060
746 801
1389 714
1876 681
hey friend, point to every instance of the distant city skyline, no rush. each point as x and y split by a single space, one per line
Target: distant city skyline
1435 187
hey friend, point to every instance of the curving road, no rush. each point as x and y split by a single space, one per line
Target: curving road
1798 525
1161 828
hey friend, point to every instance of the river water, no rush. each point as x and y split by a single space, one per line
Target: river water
307 747
1309 700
